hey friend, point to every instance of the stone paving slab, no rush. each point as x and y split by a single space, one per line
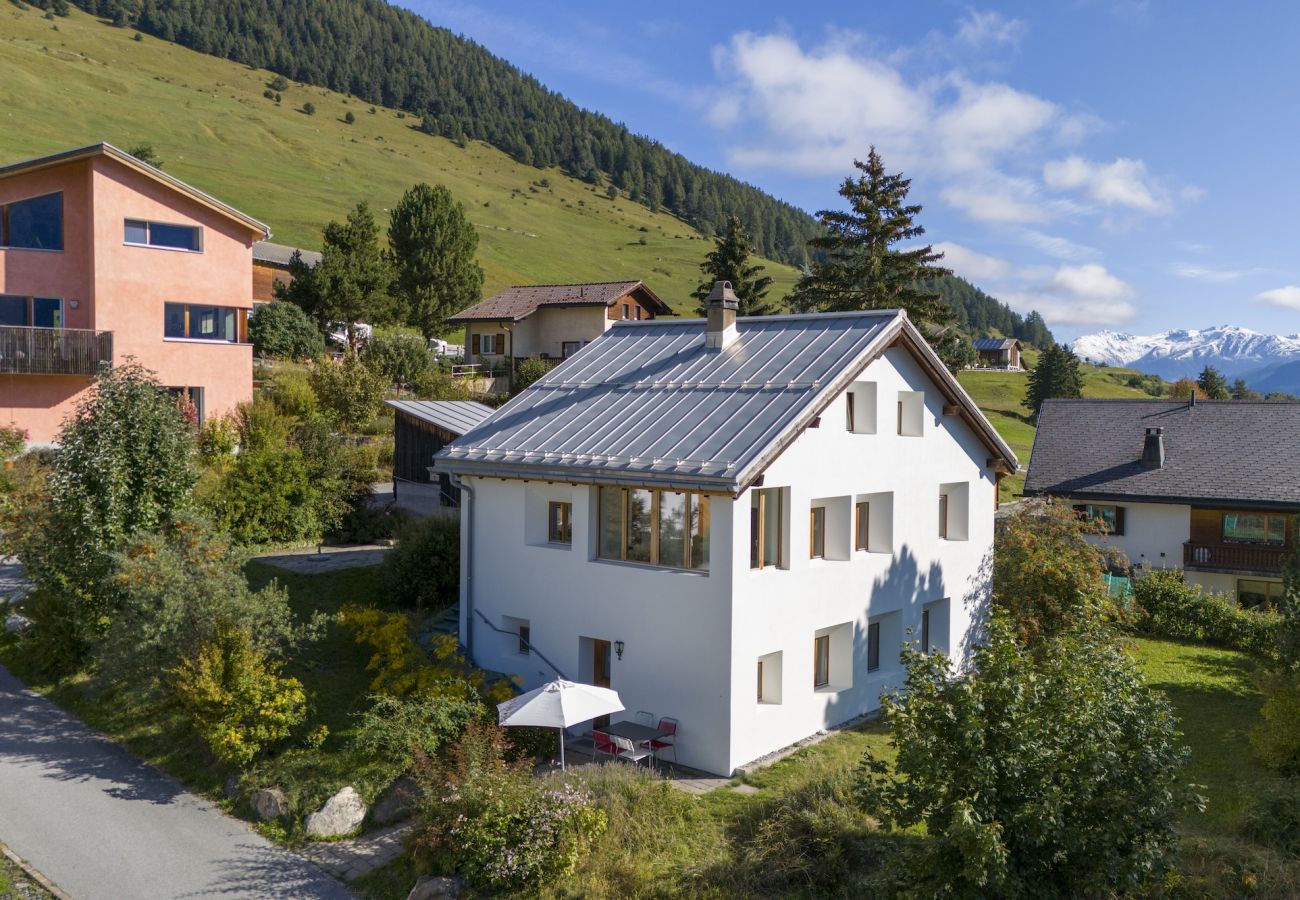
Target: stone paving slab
328 559
351 858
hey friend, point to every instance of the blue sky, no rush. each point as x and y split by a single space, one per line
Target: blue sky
1124 165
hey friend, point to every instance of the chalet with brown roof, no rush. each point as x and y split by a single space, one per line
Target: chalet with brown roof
551 321
271 264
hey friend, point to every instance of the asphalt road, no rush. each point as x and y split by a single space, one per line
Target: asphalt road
101 824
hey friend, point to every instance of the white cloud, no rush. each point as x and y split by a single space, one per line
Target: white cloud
1122 183
1078 295
1194 272
983 29
1056 246
971 264
1286 297
996 201
987 121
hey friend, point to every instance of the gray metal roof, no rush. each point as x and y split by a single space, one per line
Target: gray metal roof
995 343
280 254
647 403
1216 452
456 416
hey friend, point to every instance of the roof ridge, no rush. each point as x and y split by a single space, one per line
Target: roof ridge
555 284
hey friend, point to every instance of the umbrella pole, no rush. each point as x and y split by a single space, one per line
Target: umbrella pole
561 748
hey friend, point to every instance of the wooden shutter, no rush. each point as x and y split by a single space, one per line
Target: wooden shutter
1119 520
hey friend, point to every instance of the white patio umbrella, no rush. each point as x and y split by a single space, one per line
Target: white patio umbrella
559 704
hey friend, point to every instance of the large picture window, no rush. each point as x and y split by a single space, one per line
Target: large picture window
41 312
1254 528
202 323
660 528
158 234
34 224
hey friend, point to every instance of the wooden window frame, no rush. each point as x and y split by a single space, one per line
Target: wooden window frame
564 536
1223 530
873 646
900 418
760 681
849 413
763 494
862 525
693 501
813 549
821 661
943 516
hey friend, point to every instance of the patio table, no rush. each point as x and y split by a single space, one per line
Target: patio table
634 731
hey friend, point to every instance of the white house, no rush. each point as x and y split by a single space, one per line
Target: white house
1209 487
737 523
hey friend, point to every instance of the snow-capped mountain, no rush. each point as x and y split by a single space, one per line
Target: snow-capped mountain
1236 352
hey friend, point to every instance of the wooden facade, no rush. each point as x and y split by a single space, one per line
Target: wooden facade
264 277
1207 547
414 444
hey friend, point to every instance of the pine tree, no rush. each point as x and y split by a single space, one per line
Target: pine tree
1056 375
857 264
1241 391
1212 382
433 245
729 261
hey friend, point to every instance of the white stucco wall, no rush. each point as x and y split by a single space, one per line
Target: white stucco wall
546 330
693 640
1154 534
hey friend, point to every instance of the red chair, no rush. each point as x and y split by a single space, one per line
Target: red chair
602 744
667 739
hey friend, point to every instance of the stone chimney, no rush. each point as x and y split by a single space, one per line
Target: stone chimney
1153 449
722 306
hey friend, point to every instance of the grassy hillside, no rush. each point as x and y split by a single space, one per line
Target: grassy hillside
1001 396
75 81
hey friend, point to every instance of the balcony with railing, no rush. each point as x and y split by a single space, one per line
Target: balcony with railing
53 351
1257 558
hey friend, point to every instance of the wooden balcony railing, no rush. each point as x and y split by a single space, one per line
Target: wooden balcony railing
1233 557
53 351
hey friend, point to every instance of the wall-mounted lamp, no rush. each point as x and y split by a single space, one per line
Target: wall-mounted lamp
73 303
618 649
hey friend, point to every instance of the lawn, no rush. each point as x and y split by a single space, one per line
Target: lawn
75 81
15 885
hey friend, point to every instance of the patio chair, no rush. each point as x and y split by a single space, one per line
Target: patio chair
628 751
602 744
645 718
668 738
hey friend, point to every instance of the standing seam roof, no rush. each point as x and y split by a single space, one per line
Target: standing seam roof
456 416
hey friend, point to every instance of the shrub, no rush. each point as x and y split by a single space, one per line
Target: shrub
435 384
1274 818
292 395
1048 774
349 392
400 355
1045 572
423 570
309 108
1276 737
282 330
268 497
261 425
489 819
12 441
279 83
529 371
349 117
1169 607
218 437
394 728
55 644
235 697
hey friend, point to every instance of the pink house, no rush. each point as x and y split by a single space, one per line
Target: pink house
103 257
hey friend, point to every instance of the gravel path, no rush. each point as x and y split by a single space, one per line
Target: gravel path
99 823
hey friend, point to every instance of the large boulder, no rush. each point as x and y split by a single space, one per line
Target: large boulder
437 887
396 803
342 814
269 803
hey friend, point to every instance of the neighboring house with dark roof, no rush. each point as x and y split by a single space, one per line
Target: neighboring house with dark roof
552 321
1208 487
271 264
423 427
998 353
737 523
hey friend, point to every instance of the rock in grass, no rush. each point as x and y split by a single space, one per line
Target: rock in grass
437 887
269 803
396 803
341 814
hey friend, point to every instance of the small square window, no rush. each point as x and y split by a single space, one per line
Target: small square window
560 523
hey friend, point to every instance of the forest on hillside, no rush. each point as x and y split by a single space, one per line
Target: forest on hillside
980 315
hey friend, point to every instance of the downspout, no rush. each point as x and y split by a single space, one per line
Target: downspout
467 519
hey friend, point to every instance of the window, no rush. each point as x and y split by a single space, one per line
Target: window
41 312
559 528
33 224
568 348
525 635
862 525
1254 528
769 678
488 344
925 631
765 522
911 413
661 528
943 516
1258 594
1112 517
203 323
760 681
817 532
821 660
190 401
848 411
873 646
954 511
158 234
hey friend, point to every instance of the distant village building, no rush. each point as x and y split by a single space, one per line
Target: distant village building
998 353
734 522
271 264
103 257
1208 487
551 321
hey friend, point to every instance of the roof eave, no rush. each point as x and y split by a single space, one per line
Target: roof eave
582 475
1170 499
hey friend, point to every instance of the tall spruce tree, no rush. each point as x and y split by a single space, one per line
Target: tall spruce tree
353 280
433 245
1211 381
1056 375
729 261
